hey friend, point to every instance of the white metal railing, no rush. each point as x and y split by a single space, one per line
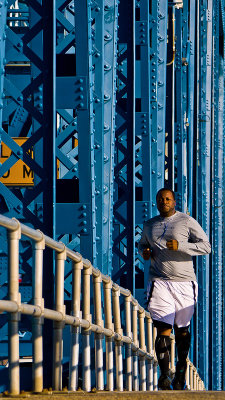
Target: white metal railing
139 338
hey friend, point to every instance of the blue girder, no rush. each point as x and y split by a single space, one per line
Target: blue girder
203 171
217 203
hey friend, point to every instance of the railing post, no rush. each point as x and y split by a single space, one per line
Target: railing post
75 330
97 280
118 343
195 379
58 326
150 351
172 362
86 345
201 385
155 365
128 346
191 377
188 374
136 343
14 295
109 340
142 347
37 322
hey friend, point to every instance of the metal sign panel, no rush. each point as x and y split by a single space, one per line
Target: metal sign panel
19 174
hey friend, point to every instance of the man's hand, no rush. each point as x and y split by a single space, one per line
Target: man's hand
146 254
172 244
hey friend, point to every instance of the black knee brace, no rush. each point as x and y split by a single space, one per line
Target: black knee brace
183 340
163 348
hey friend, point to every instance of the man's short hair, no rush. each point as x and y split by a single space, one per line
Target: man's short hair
166 190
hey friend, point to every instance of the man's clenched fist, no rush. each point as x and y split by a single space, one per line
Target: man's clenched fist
172 244
146 254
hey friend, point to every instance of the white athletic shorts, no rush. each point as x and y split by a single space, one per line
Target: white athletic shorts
172 302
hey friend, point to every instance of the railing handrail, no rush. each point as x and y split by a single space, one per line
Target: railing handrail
37 235
134 339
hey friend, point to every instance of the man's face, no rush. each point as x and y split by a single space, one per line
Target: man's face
166 203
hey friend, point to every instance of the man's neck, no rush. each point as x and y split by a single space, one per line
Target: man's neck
168 215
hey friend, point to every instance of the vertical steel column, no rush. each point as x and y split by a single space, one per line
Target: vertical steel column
14 295
98 60
110 58
158 99
143 168
86 342
181 63
58 326
49 117
185 52
118 343
143 125
203 179
3 14
32 97
37 322
170 102
48 107
130 156
109 341
75 331
124 208
98 336
85 124
191 105
217 188
222 5
128 346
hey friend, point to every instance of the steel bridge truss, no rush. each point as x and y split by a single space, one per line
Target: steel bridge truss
102 104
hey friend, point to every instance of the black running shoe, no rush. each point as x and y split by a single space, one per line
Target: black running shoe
179 382
164 383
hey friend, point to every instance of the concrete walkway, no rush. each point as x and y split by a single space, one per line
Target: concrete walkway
160 395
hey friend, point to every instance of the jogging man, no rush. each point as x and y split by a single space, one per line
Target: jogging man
170 240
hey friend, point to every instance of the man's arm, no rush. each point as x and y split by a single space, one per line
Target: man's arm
144 246
198 244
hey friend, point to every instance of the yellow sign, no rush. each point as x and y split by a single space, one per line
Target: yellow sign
19 174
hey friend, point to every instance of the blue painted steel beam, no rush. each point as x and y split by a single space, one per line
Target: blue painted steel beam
181 62
46 104
191 104
170 93
98 62
130 156
85 124
124 229
143 143
217 185
203 190
110 59
158 94
222 99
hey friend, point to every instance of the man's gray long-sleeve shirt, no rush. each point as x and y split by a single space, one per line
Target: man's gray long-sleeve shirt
170 264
